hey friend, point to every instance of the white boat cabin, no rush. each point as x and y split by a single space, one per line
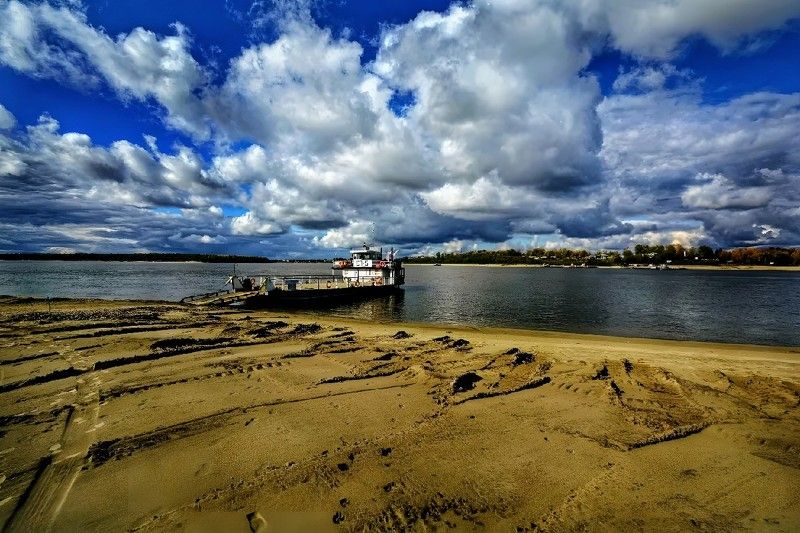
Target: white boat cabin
368 266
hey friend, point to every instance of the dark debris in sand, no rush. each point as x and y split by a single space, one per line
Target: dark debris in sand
602 373
523 358
466 382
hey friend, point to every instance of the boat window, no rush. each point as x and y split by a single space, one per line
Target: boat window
372 254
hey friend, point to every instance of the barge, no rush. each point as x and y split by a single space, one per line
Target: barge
367 274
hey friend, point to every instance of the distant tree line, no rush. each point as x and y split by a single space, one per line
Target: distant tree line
641 254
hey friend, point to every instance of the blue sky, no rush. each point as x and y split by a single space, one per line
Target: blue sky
301 128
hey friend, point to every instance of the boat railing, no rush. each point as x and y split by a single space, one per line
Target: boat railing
290 282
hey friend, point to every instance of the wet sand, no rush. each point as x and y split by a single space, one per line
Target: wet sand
149 416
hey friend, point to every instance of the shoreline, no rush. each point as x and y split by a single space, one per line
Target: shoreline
543 334
123 415
41 303
740 268
743 267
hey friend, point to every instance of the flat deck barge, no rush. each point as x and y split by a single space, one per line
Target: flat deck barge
366 274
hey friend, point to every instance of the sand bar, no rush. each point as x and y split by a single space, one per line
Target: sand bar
150 416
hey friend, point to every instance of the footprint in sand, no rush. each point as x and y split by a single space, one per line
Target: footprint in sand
257 522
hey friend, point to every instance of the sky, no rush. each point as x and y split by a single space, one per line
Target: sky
302 128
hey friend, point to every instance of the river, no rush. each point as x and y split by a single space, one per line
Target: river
754 307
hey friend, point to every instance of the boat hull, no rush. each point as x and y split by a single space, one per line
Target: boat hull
311 297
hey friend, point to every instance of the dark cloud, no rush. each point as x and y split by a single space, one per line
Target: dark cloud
591 222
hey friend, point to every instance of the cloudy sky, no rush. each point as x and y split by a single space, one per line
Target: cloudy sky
301 128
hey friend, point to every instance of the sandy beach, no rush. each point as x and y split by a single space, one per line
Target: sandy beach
154 416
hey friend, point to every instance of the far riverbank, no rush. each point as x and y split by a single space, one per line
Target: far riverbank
753 268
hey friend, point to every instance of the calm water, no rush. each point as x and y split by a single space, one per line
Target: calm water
747 307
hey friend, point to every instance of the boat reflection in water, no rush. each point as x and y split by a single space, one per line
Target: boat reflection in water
390 308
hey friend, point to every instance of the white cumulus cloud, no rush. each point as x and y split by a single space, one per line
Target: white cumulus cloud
717 192
503 131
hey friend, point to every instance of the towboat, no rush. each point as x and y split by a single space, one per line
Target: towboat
368 273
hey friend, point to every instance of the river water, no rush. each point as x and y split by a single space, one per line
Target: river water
756 307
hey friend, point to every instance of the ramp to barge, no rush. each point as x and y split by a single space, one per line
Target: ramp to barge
219 298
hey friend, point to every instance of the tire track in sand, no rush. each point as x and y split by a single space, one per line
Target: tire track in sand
40 505
559 518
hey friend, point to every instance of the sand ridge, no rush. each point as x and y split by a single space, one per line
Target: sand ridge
151 416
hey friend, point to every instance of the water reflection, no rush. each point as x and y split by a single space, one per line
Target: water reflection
382 309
